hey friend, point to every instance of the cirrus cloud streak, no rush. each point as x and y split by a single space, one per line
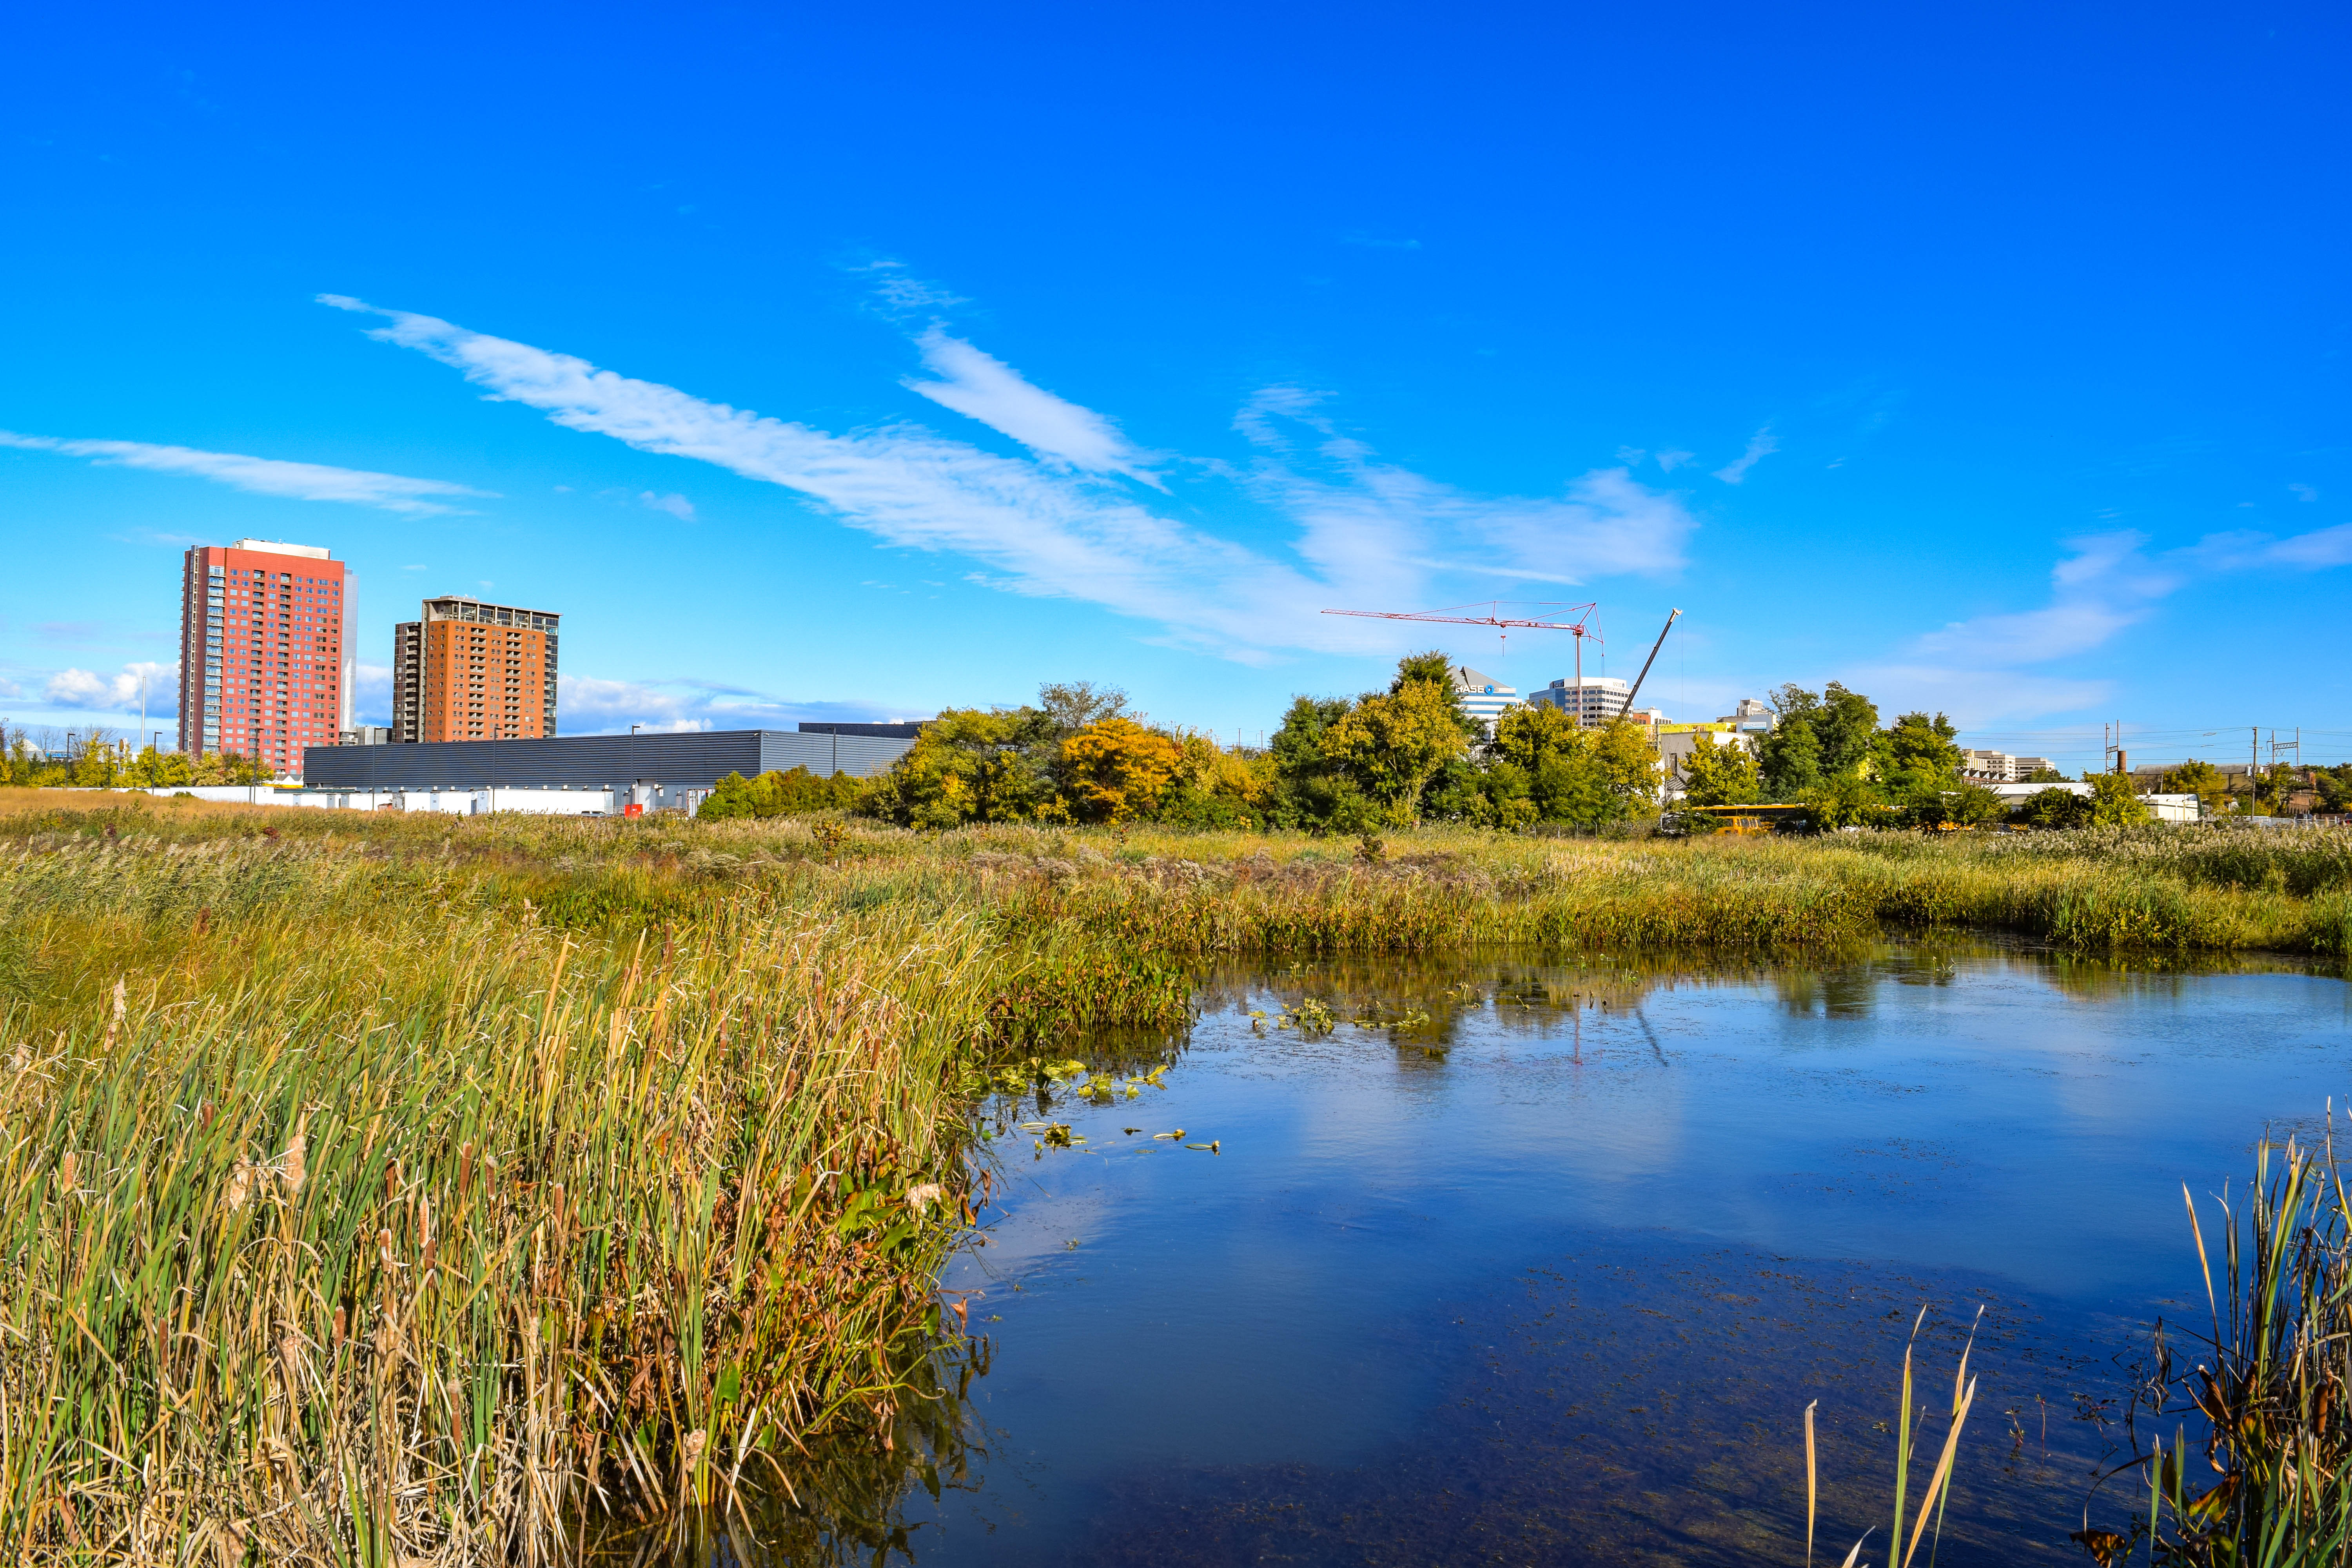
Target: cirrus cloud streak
1063 521
260 476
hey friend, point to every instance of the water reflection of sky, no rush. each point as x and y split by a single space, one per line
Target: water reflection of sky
1470 1289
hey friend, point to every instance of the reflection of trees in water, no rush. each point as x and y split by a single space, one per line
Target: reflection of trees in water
1530 995
1422 1002
848 1500
843 1502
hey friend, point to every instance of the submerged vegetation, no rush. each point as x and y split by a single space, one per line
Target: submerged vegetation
379 1189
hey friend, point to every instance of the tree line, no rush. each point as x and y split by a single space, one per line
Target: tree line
98 761
1406 755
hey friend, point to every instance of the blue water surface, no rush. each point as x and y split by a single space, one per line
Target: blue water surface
1541 1263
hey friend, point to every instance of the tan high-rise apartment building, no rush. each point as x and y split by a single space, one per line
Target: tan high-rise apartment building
472 671
266 650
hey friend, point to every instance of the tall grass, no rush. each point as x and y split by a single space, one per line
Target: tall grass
352 1212
380 1190
2257 1468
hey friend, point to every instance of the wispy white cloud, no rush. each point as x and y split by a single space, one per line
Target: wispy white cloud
2240 551
980 386
678 506
1974 698
119 692
592 704
1037 528
902 293
2105 585
1760 446
1980 668
260 476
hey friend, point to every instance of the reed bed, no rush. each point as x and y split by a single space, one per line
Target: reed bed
383 1190
2256 1467
352 1212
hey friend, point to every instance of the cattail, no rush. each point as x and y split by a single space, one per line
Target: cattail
696 1442
291 1163
66 1169
240 1186
114 1023
921 1199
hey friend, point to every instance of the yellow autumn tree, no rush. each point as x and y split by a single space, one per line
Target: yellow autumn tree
1115 770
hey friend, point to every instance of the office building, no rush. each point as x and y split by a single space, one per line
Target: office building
2000 767
466 670
1595 702
266 651
1751 717
1482 698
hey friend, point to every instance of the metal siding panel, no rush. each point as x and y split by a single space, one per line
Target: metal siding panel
692 759
859 756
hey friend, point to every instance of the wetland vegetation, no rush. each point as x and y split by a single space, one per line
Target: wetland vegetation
381 1189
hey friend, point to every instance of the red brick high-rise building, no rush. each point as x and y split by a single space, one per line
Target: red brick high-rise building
266 650
473 671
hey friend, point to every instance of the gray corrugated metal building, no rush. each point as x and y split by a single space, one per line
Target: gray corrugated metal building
674 761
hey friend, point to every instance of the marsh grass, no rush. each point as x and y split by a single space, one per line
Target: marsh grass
351 1212
2257 1468
379 1190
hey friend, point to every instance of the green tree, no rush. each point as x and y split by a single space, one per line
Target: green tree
969 765
1791 763
98 767
1072 705
1573 775
2201 779
2114 800
156 768
1390 746
1526 735
777 793
1847 727
1435 669
1310 790
1920 747
1958 804
1849 801
1721 775
2055 808
2334 787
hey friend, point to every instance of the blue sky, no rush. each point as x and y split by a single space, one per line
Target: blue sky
840 362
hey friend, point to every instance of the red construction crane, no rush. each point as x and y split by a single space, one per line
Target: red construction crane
1503 624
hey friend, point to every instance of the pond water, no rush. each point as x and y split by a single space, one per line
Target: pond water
1540 1263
